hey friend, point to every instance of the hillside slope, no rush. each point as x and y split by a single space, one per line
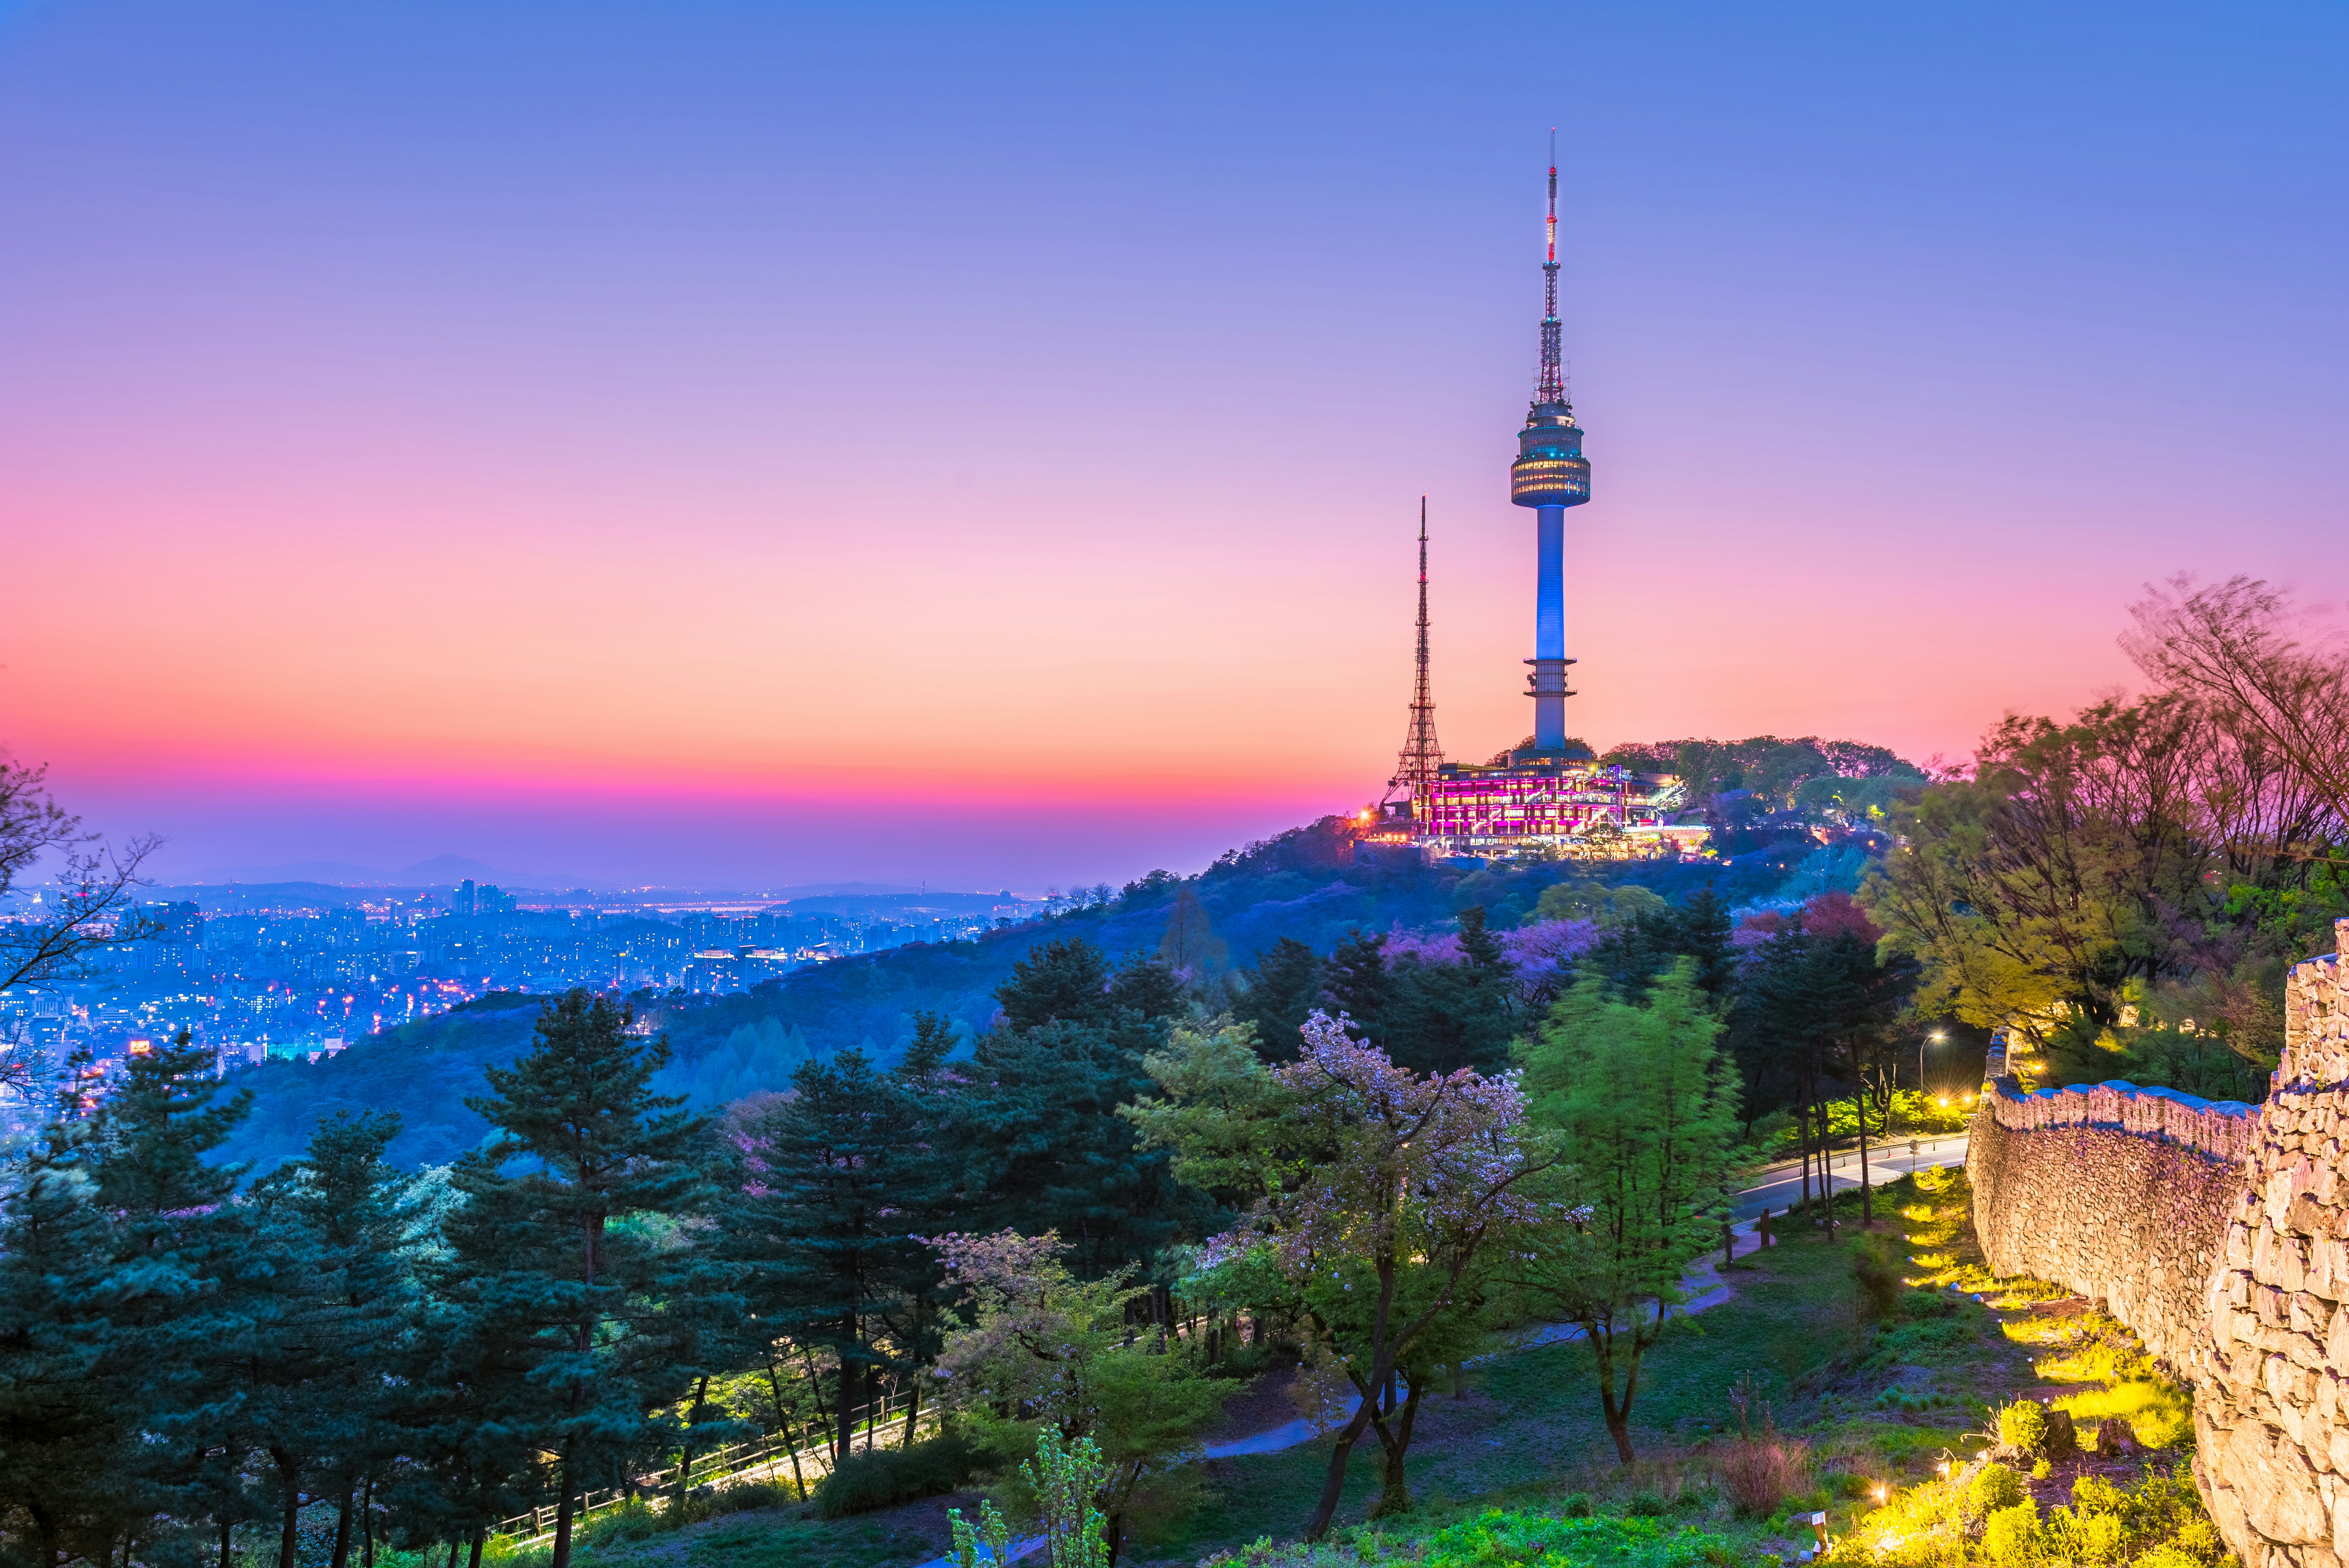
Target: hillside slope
1306 884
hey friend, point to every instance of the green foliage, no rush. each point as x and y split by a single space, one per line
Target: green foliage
991 1533
2024 1425
819 1230
1066 1480
2012 1534
1044 1352
1876 1266
883 1478
1534 1538
1643 1109
1994 1487
582 1320
1278 993
1598 904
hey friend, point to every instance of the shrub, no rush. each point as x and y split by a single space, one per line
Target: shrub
1993 1487
2012 1534
632 1520
1575 1505
1647 1505
2024 1425
2200 1538
887 1477
726 1497
2167 1556
1876 1270
1762 1473
2159 1413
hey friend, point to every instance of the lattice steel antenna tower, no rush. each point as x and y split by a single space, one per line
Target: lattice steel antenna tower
1421 755
1551 474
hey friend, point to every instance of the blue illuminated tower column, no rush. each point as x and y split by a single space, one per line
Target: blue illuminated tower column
1550 475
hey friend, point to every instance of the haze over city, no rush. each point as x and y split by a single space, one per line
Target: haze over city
784 444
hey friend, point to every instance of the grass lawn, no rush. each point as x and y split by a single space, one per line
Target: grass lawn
1879 1403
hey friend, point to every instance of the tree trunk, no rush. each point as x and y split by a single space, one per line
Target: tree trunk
1616 1413
562 1558
791 1445
289 1475
1866 1200
685 1459
342 1523
473 1560
1394 1490
913 1410
49 1552
849 1371
1803 1140
366 1522
1333 1484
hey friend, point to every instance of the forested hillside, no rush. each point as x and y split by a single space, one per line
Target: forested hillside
1307 885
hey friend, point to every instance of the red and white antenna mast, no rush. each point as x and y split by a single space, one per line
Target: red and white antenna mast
1552 387
1422 757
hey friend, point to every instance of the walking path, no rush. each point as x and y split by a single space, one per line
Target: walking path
1702 1284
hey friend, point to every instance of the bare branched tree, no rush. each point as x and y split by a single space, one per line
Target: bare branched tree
2237 650
90 903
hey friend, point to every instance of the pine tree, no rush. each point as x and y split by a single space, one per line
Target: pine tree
65 1447
329 1310
1446 1017
1283 989
1037 1128
565 1255
836 1180
1065 979
1705 931
1360 986
178 1257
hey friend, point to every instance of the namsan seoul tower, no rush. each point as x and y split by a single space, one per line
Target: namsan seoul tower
1551 474
1547 797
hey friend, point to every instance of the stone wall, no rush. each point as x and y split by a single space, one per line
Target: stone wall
2219 1232
2065 1191
2270 1419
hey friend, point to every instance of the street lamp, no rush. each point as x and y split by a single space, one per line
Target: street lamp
1936 1038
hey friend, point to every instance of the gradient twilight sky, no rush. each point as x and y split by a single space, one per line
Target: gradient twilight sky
756 443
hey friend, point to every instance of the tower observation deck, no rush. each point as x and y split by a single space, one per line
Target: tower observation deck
1549 474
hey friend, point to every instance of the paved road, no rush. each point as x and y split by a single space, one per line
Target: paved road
1781 1186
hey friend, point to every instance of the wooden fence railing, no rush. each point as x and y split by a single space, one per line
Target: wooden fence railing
878 1427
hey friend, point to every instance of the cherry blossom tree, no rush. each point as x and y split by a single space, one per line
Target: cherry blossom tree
1380 1192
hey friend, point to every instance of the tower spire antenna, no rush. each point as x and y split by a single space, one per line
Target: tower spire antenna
1552 387
1422 757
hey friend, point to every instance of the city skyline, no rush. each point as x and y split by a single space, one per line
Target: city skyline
784 445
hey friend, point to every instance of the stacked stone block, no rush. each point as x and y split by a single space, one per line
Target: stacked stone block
2271 1413
2219 1232
2128 1218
